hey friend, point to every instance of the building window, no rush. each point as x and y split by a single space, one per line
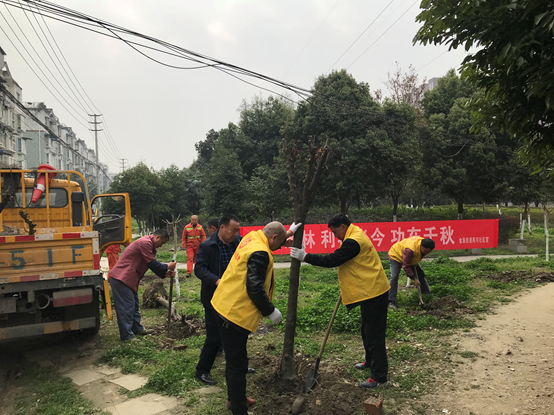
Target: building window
19 145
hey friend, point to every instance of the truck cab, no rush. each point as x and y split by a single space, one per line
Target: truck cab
50 249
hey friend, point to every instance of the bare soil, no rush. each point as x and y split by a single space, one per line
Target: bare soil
514 370
334 394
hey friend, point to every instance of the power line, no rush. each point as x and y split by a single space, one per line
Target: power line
112 144
308 42
38 77
32 47
25 110
73 89
429 63
382 34
361 34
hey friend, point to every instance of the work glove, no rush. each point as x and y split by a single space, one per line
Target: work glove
294 227
276 316
298 253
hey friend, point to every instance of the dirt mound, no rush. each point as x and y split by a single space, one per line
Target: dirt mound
179 331
509 276
446 307
335 394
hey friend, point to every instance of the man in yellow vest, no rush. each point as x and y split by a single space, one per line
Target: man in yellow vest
407 254
241 298
363 283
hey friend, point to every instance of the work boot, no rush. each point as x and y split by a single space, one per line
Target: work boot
188 275
392 305
370 384
251 371
249 402
361 366
144 332
206 379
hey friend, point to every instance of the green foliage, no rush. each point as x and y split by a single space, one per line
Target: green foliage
456 160
174 379
224 184
513 66
404 352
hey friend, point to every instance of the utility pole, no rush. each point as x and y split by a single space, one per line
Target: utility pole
123 164
95 129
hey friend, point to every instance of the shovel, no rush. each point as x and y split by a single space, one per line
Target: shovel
419 290
312 377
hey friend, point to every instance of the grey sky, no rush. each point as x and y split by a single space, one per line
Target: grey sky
157 114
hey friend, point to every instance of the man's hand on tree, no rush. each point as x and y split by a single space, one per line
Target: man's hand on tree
294 227
298 253
171 266
417 283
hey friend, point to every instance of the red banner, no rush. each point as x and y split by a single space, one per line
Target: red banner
447 234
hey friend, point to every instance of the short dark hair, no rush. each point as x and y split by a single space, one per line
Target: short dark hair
162 232
227 218
213 222
428 243
338 220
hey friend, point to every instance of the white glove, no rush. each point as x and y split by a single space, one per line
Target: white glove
298 253
276 316
294 227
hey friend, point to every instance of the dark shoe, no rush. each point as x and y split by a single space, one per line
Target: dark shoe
251 371
392 305
144 332
206 379
370 384
361 366
249 402
188 276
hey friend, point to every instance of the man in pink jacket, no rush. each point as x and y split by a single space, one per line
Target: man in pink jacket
125 277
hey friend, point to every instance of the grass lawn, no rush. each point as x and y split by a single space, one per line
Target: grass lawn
418 339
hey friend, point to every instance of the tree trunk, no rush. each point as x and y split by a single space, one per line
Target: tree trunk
498 207
287 363
546 234
460 209
522 229
394 208
343 208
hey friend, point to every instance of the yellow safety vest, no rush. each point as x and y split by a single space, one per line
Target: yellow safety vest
231 299
413 243
362 277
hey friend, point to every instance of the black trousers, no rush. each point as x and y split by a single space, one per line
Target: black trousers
212 344
236 361
374 327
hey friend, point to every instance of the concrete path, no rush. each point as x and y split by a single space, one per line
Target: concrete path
279 265
103 384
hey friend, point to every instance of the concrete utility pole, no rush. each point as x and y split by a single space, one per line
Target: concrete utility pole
95 129
123 164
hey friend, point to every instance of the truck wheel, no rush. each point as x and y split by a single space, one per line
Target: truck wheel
93 331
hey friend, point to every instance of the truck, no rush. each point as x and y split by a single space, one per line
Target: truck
52 236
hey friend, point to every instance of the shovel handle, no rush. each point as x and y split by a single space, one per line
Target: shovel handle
419 290
329 329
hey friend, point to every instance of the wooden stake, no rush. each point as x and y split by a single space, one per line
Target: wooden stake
174 224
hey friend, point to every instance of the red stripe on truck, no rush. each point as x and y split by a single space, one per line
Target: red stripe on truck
23 238
70 274
27 278
73 235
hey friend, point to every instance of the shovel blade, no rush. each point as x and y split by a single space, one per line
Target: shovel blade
311 380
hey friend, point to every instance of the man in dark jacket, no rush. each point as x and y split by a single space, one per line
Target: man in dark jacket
213 257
